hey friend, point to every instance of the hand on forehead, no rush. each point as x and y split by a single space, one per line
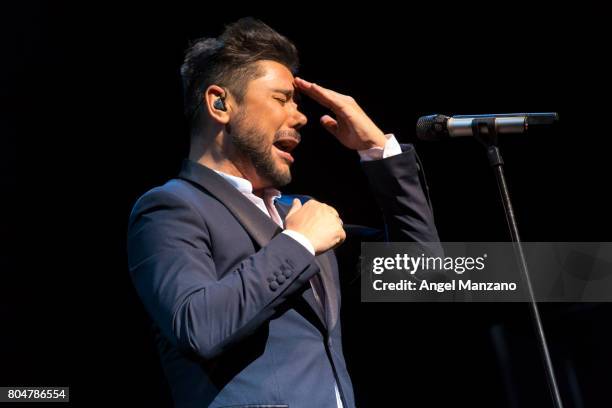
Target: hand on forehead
326 97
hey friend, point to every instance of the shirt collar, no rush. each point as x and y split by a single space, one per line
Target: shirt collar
245 187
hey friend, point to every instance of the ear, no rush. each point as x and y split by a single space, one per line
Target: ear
211 94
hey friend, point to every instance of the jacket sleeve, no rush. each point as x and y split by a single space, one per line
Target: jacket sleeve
397 188
171 265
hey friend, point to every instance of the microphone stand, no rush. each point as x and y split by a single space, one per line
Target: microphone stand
484 131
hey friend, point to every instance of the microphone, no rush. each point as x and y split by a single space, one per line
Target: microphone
439 127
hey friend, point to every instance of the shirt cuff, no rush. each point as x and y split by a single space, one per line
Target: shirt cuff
300 238
391 148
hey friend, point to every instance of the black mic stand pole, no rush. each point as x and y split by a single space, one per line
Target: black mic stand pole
484 130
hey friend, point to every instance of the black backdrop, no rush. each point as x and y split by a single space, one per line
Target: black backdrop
95 119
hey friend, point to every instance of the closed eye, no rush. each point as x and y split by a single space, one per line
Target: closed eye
288 94
281 100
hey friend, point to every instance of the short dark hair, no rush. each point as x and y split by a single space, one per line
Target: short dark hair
229 60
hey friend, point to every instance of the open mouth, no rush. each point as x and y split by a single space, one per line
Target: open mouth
285 146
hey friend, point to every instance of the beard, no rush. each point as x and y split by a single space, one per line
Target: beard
250 143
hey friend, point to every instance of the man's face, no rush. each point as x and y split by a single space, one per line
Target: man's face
264 129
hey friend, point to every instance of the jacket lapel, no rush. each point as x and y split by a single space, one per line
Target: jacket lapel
261 228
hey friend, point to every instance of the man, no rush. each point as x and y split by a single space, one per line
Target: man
243 290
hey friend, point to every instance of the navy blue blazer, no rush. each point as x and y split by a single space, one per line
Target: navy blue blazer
235 318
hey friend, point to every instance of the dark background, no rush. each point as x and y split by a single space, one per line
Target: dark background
94 119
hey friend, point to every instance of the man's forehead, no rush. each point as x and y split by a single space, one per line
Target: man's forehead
276 77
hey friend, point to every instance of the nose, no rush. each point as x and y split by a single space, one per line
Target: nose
299 119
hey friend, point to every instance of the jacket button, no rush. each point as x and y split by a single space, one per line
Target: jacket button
280 279
276 273
274 285
287 273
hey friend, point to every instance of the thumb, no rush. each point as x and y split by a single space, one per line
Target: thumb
296 205
330 124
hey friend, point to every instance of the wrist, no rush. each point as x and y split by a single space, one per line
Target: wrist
378 141
302 239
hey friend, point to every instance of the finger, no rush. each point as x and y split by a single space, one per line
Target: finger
334 211
326 97
295 205
339 241
308 88
330 124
